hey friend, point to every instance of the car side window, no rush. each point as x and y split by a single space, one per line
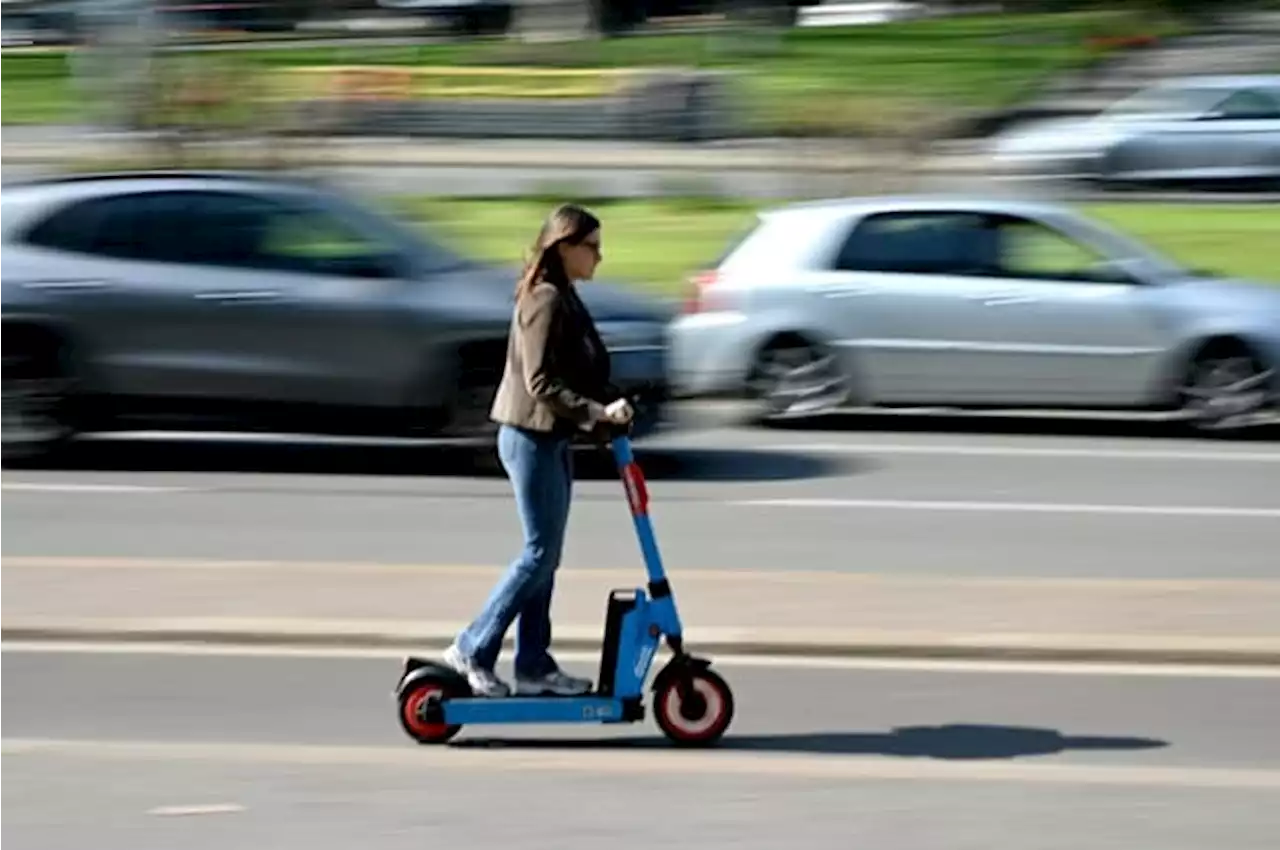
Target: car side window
318 242
225 229
126 227
1032 250
70 228
248 232
939 243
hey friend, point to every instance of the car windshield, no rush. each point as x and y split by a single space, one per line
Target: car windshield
1119 245
430 256
1166 100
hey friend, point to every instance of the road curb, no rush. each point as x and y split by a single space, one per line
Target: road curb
584 639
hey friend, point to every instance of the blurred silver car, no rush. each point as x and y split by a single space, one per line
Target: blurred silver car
970 303
242 302
1212 128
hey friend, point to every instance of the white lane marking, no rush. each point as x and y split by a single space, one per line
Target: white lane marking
628 574
795 502
624 761
728 660
40 487
1028 451
1014 507
201 809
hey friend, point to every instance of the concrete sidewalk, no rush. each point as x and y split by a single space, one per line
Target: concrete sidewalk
763 612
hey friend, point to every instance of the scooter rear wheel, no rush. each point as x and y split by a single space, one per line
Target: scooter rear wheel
703 720
412 709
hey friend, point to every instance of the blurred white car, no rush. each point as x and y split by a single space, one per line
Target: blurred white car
1201 128
834 13
970 303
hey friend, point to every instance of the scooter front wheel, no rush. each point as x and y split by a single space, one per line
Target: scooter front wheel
702 719
413 705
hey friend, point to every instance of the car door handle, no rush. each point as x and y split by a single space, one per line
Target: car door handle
846 292
239 296
1001 299
66 285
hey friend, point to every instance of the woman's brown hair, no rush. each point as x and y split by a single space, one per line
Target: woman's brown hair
567 223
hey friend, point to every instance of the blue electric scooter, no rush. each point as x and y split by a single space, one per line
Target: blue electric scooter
693 706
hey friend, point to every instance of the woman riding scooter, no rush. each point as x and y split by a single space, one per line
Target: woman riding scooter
555 384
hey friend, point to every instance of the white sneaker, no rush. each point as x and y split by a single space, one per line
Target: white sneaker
557 683
484 683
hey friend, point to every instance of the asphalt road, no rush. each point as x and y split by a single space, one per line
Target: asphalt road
149 750
895 503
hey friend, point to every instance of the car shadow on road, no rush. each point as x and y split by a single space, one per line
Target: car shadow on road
949 742
996 425
672 464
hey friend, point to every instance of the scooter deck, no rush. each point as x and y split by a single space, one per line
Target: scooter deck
592 707
589 708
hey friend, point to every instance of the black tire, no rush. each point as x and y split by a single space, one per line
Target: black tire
777 382
414 699
478 371
698 725
38 394
1224 385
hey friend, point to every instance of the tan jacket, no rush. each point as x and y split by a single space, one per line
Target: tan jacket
557 371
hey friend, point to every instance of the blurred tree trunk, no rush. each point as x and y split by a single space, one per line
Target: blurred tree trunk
114 67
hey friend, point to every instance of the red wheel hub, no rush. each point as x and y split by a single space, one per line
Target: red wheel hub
414 708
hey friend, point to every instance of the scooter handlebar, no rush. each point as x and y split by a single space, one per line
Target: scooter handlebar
624 429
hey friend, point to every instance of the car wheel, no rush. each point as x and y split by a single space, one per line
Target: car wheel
37 390
1225 388
478 372
793 377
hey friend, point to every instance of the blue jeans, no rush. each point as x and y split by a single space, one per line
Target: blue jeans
540 467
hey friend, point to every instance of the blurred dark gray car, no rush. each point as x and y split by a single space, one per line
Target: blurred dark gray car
240 303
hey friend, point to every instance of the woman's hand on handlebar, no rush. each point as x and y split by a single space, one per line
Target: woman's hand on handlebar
608 420
619 412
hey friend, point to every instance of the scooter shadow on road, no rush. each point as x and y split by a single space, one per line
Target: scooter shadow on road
673 464
949 742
